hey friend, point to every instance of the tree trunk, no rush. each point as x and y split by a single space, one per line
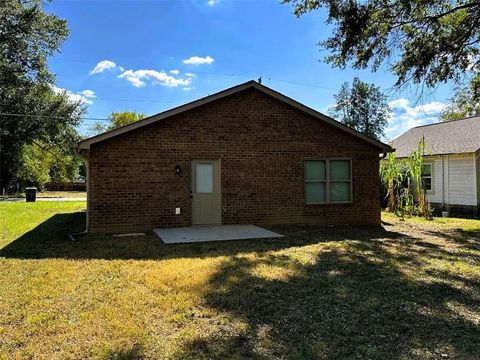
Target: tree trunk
2 176
5 176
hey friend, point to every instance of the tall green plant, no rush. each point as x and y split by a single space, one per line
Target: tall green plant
392 175
415 171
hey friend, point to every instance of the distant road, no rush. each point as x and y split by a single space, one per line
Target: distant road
16 199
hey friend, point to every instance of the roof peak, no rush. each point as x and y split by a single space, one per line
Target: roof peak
251 84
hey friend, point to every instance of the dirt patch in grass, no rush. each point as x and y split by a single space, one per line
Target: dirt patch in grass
407 290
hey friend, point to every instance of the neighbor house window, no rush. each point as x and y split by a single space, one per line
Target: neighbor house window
427 176
328 181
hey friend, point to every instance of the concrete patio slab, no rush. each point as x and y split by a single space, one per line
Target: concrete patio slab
194 234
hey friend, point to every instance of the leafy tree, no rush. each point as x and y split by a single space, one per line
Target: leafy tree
463 104
28 36
40 164
64 166
34 167
117 119
362 107
426 42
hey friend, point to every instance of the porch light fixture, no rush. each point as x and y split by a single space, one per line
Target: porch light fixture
178 169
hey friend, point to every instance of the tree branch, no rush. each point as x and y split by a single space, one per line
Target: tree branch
464 6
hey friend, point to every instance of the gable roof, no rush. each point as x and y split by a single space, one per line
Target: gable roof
85 144
450 137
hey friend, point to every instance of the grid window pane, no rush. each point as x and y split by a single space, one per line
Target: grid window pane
340 170
315 170
340 191
427 170
427 182
315 192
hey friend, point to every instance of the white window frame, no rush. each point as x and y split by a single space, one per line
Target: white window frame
328 182
431 191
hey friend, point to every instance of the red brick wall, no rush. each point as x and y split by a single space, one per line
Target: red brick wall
262 144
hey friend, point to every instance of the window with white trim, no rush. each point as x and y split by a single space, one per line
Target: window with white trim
427 176
328 181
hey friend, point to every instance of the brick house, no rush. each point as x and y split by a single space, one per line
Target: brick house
245 155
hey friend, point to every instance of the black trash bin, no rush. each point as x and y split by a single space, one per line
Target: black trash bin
31 194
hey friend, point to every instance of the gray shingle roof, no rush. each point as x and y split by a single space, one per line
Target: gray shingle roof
451 137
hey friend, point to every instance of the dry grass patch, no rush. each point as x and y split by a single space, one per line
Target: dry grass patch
408 290
62 194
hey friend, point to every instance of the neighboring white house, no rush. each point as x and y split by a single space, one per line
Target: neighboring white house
452 162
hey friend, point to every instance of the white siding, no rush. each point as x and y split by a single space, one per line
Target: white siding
478 177
462 183
456 179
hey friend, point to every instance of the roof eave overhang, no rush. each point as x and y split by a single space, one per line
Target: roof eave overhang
85 144
443 154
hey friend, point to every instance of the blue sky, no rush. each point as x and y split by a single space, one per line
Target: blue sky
149 56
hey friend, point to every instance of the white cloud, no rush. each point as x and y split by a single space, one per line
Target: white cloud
404 116
212 2
88 93
102 66
198 60
82 96
175 72
398 103
138 77
190 75
188 88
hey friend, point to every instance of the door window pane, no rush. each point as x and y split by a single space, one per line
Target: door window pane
340 191
204 178
339 170
315 170
315 192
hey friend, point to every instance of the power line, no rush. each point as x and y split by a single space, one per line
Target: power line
219 74
150 100
135 100
302 84
51 117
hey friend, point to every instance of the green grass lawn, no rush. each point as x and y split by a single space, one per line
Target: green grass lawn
408 290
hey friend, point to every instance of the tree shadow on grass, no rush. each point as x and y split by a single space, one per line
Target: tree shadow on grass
348 303
50 240
133 353
469 239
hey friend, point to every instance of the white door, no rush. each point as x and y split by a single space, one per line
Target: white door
205 192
